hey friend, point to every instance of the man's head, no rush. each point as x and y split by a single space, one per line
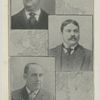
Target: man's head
70 31
33 74
31 5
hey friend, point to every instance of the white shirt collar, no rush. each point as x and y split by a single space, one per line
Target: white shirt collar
35 92
37 14
72 47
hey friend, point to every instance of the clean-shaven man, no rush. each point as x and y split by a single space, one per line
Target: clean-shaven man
33 75
30 17
70 55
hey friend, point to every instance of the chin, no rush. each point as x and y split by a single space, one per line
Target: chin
73 43
30 7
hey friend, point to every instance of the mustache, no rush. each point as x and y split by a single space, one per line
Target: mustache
72 37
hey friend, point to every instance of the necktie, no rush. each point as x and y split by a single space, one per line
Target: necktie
32 19
68 51
32 96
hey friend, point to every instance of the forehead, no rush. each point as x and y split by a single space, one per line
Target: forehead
70 26
35 68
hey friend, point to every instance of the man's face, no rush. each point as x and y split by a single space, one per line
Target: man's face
71 34
34 77
31 5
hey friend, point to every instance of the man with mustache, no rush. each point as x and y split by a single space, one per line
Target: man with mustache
33 75
70 55
30 17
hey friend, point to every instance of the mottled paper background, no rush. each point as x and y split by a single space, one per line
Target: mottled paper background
28 43
74 86
74 6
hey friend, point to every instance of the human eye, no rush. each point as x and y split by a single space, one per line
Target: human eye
40 75
68 30
76 31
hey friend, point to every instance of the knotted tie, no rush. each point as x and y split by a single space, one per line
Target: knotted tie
32 19
32 96
69 51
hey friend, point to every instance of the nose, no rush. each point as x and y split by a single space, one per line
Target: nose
72 33
37 78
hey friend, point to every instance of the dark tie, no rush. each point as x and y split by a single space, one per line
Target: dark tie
69 51
32 96
32 19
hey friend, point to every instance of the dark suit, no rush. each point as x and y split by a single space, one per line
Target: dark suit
80 60
19 21
22 94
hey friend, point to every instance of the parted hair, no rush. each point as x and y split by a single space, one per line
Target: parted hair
69 21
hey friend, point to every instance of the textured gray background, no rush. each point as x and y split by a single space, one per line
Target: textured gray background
28 43
86 30
74 86
74 6
16 68
47 5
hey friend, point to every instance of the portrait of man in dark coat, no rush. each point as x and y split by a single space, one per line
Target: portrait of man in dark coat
71 55
33 90
32 16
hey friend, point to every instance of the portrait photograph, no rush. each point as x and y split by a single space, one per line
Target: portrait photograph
31 14
71 42
32 78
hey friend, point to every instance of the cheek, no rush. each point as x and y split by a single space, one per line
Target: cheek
77 35
41 79
66 35
30 80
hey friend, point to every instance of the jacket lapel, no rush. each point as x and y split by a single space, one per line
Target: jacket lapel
40 95
78 58
73 62
23 19
58 53
25 94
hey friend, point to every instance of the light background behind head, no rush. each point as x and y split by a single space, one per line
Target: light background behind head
47 5
17 65
86 30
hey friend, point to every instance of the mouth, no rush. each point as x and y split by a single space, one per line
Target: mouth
73 39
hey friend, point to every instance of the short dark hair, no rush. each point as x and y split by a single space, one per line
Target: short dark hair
26 69
69 21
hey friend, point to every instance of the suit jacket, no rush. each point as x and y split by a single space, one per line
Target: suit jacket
80 60
19 21
22 94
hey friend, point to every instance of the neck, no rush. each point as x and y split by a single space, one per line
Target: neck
69 45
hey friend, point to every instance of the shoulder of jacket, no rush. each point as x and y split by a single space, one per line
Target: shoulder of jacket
86 51
44 12
18 14
17 93
57 48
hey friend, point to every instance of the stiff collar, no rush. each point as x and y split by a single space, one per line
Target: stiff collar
37 14
72 48
29 92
